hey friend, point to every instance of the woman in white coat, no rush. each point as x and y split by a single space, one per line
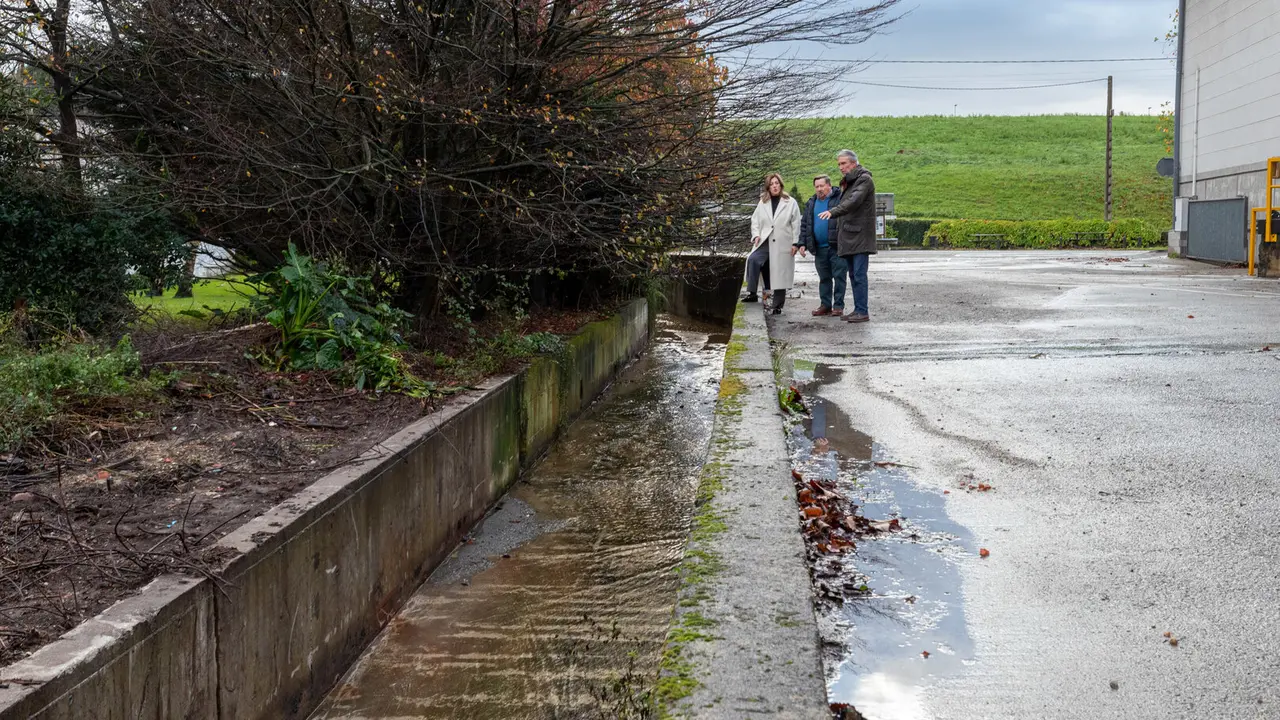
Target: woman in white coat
775 228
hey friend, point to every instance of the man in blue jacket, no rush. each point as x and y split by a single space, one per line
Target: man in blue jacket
816 237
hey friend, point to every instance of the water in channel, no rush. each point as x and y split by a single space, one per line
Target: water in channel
559 604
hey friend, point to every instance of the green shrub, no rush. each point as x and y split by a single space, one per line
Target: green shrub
1046 233
38 386
73 256
331 321
492 355
910 231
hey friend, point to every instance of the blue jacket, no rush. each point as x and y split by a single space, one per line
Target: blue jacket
807 238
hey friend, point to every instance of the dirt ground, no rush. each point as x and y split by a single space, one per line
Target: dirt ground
149 489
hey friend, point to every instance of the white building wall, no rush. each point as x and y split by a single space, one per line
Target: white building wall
1230 106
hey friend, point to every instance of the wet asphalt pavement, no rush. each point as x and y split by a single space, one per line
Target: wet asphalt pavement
1122 408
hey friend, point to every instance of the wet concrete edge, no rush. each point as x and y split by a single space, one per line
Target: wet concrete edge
745 639
159 653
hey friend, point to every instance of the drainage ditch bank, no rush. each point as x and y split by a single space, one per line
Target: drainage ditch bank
312 581
745 641
558 604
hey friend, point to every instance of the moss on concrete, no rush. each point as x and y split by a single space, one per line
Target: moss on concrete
678 677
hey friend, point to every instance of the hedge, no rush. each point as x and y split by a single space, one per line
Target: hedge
1046 233
910 232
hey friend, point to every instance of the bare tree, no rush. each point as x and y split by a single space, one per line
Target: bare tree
429 142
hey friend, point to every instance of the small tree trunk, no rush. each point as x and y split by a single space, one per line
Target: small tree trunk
67 138
188 280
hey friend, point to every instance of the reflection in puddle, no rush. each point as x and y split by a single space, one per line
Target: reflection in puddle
878 662
560 605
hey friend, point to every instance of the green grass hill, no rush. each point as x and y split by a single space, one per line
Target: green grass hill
1047 167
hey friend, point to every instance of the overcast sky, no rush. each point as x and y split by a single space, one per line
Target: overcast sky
1014 30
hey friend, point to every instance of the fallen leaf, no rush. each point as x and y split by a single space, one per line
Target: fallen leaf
984 552
1168 635
103 474
1191 317
925 653
946 492
813 511
798 477
1173 642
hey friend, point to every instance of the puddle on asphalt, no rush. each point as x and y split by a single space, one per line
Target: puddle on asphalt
560 604
875 642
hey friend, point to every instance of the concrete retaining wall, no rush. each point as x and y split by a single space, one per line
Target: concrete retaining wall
316 577
708 289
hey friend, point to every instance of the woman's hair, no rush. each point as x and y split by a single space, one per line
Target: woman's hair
764 193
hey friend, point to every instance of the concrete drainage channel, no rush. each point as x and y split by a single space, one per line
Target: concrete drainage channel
585 558
311 582
649 566
558 604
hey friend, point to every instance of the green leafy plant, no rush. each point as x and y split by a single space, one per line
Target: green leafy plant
40 387
335 322
490 355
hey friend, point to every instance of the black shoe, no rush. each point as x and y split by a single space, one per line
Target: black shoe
777 311
751 298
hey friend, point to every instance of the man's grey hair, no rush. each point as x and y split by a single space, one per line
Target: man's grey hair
827 178
849 154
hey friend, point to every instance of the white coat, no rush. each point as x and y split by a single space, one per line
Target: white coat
781 230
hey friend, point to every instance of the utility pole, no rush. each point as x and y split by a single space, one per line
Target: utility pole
1110 112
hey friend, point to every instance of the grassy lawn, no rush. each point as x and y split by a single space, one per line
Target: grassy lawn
1047 167
225 295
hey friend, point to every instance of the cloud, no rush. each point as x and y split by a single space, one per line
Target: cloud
1012 29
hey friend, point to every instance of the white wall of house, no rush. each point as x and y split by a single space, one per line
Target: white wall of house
212 261
1229 110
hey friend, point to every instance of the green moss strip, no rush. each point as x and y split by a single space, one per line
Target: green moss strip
678 678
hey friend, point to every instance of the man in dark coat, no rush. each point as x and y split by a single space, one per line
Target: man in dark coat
855 215
818 237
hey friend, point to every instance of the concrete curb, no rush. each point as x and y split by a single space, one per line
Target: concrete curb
316 577
746 631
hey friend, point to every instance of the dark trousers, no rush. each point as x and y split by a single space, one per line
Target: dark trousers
757 266
858 279
832 272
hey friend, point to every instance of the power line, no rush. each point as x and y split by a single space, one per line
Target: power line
1019 87
958 62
